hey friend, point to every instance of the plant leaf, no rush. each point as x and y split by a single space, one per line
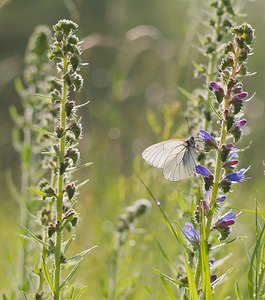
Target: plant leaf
70 275
81 292
37 192
47 274
80 255
34 237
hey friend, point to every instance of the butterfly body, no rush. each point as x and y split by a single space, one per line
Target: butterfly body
176 157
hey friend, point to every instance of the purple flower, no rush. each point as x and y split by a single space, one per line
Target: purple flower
220 198
239 97
236 176
226 220
204 135
233 153
213 278
215 86
241 123
208 140
242 95
201 170
230 163
190 233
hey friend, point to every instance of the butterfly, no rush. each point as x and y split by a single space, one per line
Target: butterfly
176 157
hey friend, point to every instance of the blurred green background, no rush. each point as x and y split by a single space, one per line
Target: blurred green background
139 52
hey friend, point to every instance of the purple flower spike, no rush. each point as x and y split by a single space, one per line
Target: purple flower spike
215 86
190 233
201 170
226 220
241 123
221 198
236 176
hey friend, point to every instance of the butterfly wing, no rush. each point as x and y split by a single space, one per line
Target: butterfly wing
157 154
180 163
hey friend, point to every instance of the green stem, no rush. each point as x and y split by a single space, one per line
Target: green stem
59 202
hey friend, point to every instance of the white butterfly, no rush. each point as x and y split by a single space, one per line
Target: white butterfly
177 158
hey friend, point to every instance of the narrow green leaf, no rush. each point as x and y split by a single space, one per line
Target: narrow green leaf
71 294
70 275
37 192
35 238
252 268
167 288
81 292
82 184
44 96
216 112
16 118
170 262
239 295
24 295
189 95
191 281
80 255
150 292
68 243
176 233
73 169
198 67
41 130
18 86
47 275
168 278
221 278
5 297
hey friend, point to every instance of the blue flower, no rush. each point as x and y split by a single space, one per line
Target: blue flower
213 278
190 233
204 135
220 198
233 153
226 220
208 139
201 170
236 176
241 123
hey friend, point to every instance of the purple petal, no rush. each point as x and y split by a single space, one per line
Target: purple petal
221 198
213 278
241 123
201 170
215 86
204 135
242 95
190 233
237 176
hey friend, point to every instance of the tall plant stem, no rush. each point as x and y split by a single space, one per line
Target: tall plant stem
59 202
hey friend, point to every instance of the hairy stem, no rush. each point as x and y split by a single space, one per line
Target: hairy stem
59 202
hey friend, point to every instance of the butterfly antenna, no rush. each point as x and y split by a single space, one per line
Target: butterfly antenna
188 126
